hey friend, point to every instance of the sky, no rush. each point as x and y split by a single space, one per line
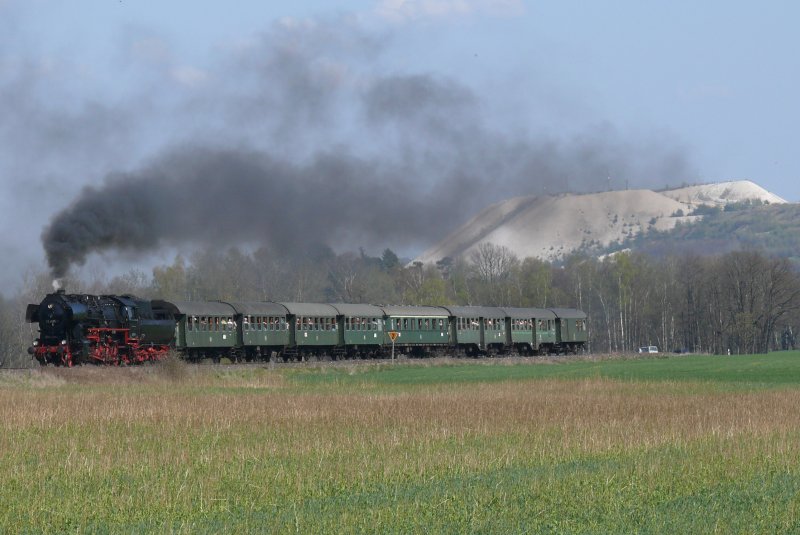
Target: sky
383 123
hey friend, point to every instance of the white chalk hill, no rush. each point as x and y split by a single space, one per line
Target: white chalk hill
551 227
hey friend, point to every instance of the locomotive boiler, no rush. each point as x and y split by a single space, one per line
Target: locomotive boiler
103 329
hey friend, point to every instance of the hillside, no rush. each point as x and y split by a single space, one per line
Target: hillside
774 229
723 193
551 227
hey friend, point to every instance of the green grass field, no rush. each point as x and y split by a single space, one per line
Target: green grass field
741 371
669 445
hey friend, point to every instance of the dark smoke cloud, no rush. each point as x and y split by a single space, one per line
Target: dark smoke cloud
425 100
338 153
226 197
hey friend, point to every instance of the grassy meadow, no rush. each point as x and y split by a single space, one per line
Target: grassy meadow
690 444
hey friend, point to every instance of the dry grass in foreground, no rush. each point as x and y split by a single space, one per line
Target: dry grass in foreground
246 451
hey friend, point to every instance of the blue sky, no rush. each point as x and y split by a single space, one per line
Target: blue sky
90 88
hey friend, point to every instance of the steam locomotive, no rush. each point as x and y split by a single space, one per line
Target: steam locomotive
104 329
109 329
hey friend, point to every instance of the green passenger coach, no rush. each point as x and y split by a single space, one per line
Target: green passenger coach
571 328
531 330
419 328
312 329
205 329
360 329
477 329
265 329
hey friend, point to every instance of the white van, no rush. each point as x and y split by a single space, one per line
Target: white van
648 349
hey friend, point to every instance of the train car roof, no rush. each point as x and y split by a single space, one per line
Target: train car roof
424 311
569 313
350 309
259 308
311 309
475 312
168 305
201 308
527 313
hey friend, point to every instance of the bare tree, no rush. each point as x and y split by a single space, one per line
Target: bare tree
494 266
493 262
780 290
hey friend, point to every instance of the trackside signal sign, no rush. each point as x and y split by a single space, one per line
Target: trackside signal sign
393 335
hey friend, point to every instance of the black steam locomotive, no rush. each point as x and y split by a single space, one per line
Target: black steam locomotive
103 329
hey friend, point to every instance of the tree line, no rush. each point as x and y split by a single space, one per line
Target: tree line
739 302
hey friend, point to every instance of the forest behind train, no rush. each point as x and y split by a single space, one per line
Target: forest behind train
735 303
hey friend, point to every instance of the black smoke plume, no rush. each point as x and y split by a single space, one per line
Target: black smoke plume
227 197
423 158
